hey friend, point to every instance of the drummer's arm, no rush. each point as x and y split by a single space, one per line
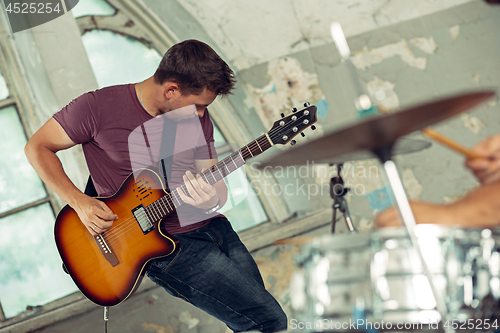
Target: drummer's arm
480 208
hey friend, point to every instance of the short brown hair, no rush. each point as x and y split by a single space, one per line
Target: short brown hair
194 65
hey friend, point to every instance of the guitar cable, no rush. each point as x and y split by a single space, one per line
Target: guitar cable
106 318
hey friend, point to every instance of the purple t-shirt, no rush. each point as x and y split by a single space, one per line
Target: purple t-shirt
102 121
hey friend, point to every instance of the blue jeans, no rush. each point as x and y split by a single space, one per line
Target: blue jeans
213 270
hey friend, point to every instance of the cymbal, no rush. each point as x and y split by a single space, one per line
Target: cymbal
379 131
402 146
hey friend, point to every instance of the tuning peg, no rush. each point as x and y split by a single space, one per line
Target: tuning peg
307 104
294 110
293 142
302 133
282 115
313 127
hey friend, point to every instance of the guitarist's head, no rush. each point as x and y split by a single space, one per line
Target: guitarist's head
191 72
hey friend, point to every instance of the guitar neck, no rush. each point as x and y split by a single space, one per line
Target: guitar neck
236 160
167 204
282 132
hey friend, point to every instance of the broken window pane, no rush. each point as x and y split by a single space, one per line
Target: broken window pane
19 183
93 7
30 266
116 59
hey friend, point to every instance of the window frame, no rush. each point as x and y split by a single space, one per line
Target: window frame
10 70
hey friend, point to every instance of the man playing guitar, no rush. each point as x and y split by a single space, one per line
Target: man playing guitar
211 268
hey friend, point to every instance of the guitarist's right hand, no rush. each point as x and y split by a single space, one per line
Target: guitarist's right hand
94 214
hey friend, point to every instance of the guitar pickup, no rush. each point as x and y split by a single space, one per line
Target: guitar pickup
106 251
142 219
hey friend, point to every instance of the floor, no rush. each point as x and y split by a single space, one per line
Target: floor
153 310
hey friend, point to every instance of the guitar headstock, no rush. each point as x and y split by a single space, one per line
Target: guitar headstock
285 129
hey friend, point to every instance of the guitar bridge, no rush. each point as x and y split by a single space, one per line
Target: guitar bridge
106 251
142 219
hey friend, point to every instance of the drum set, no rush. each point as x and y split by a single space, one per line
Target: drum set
413 278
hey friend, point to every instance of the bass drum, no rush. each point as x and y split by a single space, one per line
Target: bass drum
356 282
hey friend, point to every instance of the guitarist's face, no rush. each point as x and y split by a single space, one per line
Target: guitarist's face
201 101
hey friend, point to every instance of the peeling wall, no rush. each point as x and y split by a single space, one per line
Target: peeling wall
291 26
411 62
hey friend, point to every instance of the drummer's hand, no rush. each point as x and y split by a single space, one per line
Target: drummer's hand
424 213
486 169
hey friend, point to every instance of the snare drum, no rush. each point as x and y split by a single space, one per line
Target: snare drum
378 277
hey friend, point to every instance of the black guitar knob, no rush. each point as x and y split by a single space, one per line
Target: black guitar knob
294 110
303 135
282 115
293 142
307 104
313 127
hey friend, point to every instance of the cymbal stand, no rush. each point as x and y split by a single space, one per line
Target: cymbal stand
365 108
338 192
404 208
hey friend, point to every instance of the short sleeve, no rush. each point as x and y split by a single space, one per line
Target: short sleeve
206 148
78 119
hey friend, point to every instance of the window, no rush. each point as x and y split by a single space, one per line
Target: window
93 7
30 266
118 60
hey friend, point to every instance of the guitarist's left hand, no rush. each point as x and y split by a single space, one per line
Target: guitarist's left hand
203 195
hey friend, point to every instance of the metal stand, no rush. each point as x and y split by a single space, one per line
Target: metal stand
337 192
384 154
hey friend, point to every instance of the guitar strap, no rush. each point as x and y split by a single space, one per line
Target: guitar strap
167 150
90 188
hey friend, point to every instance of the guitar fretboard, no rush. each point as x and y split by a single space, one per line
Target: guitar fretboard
167 204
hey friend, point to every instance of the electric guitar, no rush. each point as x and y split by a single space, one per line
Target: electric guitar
107 268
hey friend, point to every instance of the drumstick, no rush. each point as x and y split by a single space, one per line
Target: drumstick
433 134
450 143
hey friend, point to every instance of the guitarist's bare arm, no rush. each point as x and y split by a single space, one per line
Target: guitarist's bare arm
203 195
41 153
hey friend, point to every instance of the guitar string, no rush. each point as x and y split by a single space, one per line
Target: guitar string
123 230
129 226
125 225
173 196
110 238
120 231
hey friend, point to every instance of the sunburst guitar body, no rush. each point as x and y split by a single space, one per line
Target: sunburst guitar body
107 268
